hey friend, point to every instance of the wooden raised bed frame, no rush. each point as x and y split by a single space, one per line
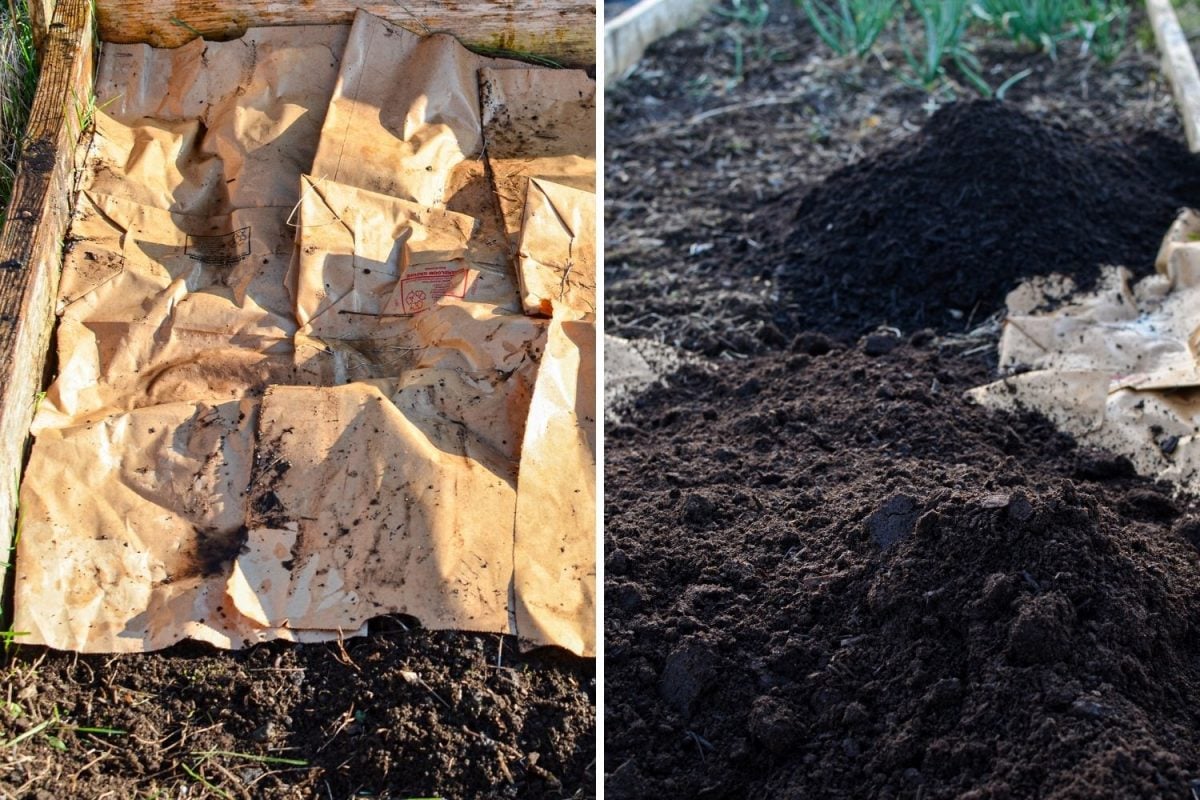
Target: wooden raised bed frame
31 241
627 37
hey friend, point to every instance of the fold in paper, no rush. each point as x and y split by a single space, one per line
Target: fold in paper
555 581
404 121
1115 367
556 254
214 126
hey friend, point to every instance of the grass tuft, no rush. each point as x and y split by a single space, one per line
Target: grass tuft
943 23
1101 25
933 33
851 27
18 81
748 19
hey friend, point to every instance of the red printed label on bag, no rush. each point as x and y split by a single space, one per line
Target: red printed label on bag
420 290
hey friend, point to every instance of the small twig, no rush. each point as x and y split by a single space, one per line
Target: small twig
347 718
344 655
238 787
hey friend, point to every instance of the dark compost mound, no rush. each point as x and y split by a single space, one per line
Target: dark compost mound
953 218
832 577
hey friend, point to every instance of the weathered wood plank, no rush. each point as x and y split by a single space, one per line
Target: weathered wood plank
627 37
32 238
41 13
1180 66
564 30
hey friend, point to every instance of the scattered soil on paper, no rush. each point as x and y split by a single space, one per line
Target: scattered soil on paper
401 713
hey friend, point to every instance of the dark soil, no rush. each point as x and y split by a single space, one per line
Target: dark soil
942 227
705 169
827 574
401 713
830 576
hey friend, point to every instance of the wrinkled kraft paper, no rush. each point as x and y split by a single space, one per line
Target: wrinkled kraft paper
404 121
541 154
361 319
296 386
556 250
1116 367
555 534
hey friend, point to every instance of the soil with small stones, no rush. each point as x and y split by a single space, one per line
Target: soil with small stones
828 574
401 713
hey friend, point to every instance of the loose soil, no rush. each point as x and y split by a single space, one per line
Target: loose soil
401 713
705 172
829 576
941 227
827 573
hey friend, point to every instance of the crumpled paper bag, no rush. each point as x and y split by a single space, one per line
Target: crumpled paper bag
404 121
173 283
362 504
555 568
540 125
214 126
145 318
556 254
369 259
129 527
1116 367
362 257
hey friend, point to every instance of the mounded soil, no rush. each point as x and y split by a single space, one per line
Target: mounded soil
706 168
827 573
950 221
830 576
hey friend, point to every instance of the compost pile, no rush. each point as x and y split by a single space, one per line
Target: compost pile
816 590
953 219
829 575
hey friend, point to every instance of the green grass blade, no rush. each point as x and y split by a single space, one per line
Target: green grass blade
976 80
290 762
34 731
1003 88
196 776
817 13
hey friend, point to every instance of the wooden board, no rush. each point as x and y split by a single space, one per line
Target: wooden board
564 30
627 37
41 13
1180 66
32 239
